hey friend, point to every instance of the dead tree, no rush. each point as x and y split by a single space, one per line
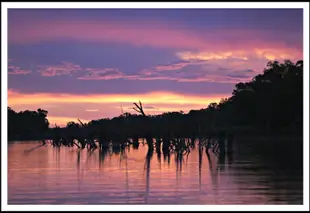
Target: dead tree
149 139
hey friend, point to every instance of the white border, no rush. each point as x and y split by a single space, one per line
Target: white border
4 75
4 112
306 105
184 5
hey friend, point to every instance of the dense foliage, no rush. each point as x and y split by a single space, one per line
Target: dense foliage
27 124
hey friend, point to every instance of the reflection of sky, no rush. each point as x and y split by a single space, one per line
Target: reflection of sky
200 54
48 176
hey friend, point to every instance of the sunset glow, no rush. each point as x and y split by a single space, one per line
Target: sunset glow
114 104
93 64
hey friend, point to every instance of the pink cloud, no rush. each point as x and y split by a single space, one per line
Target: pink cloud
195 74
208 78
102 74
180 71
142 33
210 70
172 66
15 70
217 69
65 68
157 34
91 110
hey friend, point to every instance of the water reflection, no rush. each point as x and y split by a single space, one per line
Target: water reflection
42 174
147 167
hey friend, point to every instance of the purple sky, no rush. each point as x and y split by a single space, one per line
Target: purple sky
101 59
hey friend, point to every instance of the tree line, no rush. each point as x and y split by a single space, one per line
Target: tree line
27 125
270 102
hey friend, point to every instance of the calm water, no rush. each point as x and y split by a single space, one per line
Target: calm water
48 175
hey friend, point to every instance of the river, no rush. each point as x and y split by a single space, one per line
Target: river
251 175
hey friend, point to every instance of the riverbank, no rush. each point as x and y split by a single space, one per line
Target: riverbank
242 133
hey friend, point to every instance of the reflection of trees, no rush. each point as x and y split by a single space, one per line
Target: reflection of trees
200 149
32 149
158 151
78 165
285 162
179 162
167 157
57 151
102 155
147 167
127 179
274 161
212 168
230 141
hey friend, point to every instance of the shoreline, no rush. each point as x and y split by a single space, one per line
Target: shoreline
245 136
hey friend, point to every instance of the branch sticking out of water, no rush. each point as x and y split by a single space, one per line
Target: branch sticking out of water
139 108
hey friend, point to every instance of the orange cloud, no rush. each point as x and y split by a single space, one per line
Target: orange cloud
260 53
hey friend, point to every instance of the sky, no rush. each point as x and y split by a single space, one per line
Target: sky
94 63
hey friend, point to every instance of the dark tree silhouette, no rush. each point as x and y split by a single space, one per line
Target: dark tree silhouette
27 124
272 102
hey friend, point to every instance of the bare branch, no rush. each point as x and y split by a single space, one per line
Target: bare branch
122 110
136 110
137 106
81 123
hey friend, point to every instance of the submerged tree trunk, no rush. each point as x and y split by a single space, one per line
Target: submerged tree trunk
166 145
149 139
222 147
158 144
135 142
193 141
